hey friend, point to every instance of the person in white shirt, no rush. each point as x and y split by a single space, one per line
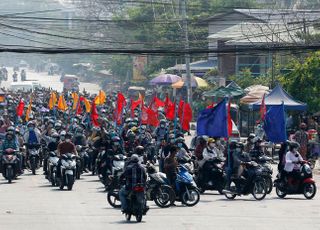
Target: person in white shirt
292 161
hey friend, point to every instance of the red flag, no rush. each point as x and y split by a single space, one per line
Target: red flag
229 119
180 109
134 105
121 102
186 116
170 109
149 117
20 108
156 103
263 109
94 114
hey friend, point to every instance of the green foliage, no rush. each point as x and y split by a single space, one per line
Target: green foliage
246 79
121 66
303 81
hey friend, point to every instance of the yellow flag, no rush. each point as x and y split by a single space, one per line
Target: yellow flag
75 97
101 98
87 105
29 110
52 100
62 105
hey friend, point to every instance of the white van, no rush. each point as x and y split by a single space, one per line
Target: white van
24 86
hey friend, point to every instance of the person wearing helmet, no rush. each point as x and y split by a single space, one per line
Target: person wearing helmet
250 142
144 137
10 142
79 138
165 150
131 143
32 137
161 132
140 151
134 174
66 146
292 161
49 128
301 137
52 145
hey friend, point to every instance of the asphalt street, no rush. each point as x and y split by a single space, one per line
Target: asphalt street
31 203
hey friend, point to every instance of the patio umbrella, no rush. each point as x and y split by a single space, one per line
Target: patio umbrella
165 79
195 82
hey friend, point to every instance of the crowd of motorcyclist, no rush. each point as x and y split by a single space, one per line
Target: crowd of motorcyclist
62 131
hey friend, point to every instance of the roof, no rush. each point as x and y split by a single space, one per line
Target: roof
278 96
272 15
202 65
247 33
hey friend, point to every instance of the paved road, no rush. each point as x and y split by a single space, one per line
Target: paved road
31 203
49 81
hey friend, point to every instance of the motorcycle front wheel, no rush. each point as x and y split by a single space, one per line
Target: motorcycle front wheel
259 190
113 199
192 198
164 197
139 218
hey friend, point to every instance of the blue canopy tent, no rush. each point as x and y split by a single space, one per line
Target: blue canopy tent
278 96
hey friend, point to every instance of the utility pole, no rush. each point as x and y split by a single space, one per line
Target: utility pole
187 55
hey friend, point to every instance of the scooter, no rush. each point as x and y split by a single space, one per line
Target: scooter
68 170
136 203
304 185
34 157
52 168
9 164
251 183
186 189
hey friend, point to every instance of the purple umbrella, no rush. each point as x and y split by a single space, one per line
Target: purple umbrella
165 79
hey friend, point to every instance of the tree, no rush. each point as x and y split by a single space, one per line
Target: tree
246 79
303 80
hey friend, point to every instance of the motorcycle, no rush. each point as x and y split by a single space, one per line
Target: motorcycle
68 170
211 176
110 179
267 171
158 188
10 164
304 185
186 189
52 168
252 183
34 157
136 203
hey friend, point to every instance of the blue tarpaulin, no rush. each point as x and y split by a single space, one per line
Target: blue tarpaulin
275 124
213 122
277 97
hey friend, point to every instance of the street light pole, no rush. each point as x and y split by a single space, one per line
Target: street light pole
187 55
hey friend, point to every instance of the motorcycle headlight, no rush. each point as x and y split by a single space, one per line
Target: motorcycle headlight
307 169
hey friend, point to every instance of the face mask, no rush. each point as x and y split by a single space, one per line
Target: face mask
171 141
238 149
162 126
68 140
179 145
31 128
211 145
50 126
62 138
218 142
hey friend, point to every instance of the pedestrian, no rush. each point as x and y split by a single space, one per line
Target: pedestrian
170 166
301 137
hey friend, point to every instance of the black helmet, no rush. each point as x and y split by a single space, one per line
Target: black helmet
139 150
294 145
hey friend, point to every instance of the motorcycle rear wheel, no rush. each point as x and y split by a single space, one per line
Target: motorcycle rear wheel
306 190
128 216
70 182
139 218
